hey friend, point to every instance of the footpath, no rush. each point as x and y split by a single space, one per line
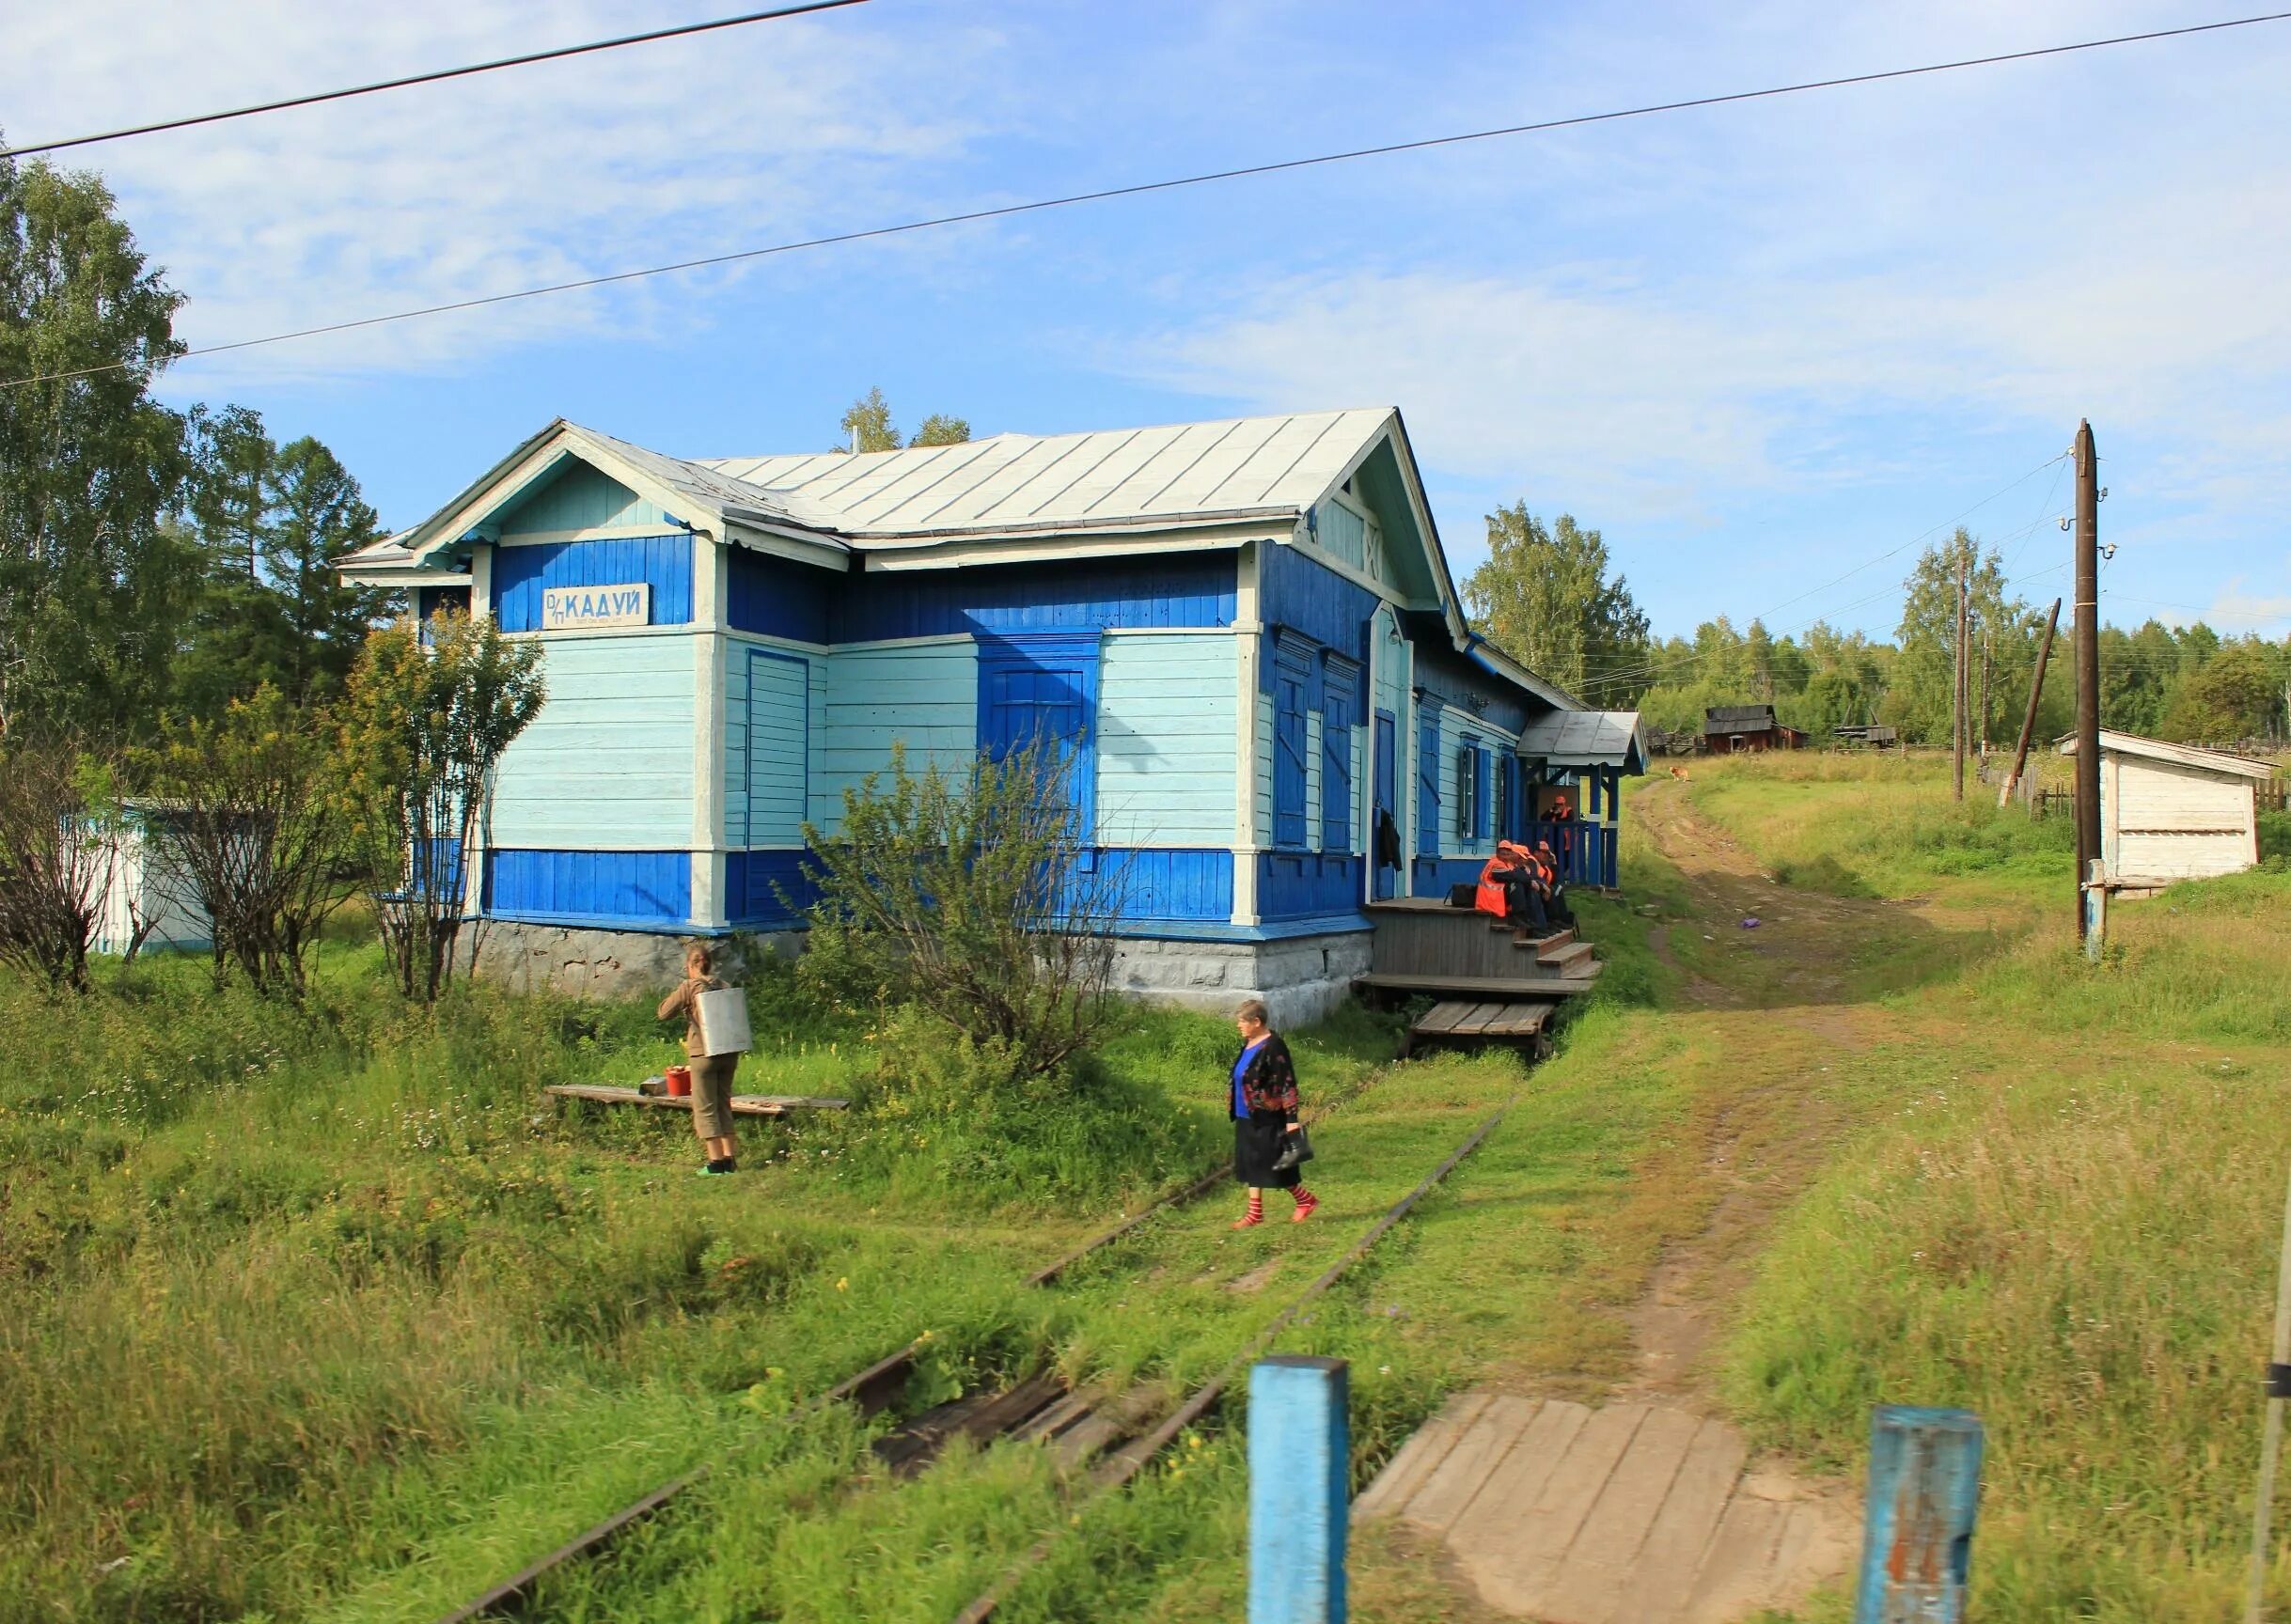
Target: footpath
1643 1505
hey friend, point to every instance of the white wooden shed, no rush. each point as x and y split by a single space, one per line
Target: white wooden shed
2172 812
146 892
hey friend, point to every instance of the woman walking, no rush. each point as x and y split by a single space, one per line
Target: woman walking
1264 1116
712 1074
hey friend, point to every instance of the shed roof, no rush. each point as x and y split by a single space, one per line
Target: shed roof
2219 761
1737 718
1586 739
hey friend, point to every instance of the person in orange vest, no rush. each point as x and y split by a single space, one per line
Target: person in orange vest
1507 886
1553 888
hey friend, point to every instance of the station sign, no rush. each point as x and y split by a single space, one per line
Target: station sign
588 608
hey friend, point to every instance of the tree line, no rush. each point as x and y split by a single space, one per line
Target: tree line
1551 595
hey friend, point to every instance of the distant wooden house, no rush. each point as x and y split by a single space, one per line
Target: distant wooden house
1732 729
2172 812
1874 735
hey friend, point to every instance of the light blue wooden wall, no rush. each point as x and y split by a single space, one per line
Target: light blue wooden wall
924 694
1456 728
1166 730
608 761
1261 772
577 497
771 740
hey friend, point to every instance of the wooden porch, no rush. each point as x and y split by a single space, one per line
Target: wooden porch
1492 981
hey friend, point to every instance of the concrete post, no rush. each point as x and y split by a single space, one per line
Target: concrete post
1924 1493
1300 1451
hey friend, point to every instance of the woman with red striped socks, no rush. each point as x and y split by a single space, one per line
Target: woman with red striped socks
1264 1111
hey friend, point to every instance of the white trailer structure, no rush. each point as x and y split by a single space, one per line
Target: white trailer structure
2170 812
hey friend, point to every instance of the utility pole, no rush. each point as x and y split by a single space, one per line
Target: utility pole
1984 666
1957 699
2088 662
2027 725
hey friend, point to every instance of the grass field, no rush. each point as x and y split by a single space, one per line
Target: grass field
326 1316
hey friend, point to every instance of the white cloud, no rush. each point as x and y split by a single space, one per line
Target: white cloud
478 186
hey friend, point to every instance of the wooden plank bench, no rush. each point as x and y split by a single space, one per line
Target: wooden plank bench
1470 1020
742 1104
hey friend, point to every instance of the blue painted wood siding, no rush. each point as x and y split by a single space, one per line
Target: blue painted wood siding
575 496
1166 732
1301 885
780 598
522 573
1173 591
608 762
925 695
1307 597
1162 885
638 889
766 889
767 745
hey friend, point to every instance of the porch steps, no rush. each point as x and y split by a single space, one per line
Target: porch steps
1568 958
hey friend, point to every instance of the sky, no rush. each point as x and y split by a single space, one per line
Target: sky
1769 348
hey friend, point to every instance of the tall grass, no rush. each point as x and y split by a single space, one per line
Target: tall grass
2062 1211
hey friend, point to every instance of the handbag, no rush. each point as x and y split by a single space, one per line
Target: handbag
1295 1153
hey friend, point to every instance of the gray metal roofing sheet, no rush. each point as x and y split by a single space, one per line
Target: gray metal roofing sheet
1175 471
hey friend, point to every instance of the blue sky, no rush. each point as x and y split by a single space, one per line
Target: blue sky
1757 346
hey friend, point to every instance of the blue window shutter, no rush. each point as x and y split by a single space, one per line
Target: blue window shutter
1428 785
1292 678
1340 701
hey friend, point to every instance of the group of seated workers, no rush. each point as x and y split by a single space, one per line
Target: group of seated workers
1524 888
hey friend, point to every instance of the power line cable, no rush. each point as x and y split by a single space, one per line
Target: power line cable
678 32
1006 211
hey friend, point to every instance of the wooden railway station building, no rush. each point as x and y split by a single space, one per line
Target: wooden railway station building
1244 633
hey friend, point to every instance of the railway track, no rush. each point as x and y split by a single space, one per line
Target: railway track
1099 1437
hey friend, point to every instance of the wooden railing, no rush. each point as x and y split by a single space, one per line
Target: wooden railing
1586 852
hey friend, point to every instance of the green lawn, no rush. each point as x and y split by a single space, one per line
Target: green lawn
327 1315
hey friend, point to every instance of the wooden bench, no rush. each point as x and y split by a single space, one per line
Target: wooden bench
742 1104
1464 1019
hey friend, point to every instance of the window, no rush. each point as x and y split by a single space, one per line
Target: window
1482 761
1467 790
1503 798
1292 678
1339 708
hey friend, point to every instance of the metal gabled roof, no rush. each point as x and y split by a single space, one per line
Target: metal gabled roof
1586 739
2179 755
1175 474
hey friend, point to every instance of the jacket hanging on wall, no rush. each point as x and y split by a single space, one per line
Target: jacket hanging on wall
1387 839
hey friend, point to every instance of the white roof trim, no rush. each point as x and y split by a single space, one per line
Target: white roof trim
2179 755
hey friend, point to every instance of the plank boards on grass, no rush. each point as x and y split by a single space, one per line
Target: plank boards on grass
742 1104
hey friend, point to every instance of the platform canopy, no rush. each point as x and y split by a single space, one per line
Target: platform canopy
1586 739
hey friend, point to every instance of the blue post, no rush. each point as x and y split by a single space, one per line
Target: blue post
1924 1494
1300 1451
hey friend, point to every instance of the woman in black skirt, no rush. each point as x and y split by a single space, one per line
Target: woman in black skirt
1264 1111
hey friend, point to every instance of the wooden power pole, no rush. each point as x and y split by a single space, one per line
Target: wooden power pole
2027 725
2088 662
1958 718
1984 752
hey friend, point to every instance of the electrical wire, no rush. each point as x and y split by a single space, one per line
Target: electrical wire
1143 188
678 32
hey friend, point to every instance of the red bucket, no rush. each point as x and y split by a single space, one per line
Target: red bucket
678 1082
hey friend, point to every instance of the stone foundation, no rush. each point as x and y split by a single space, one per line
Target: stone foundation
1301 979
605 964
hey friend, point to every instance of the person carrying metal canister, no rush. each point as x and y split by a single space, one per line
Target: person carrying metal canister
1264 1109
712 1074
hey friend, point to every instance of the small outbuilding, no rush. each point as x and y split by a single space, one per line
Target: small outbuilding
147 903
1732 729
2172 812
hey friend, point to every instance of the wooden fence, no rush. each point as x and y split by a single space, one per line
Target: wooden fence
2275 797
